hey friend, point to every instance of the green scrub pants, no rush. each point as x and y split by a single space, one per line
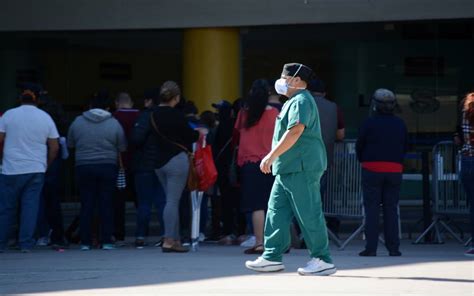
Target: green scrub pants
296 195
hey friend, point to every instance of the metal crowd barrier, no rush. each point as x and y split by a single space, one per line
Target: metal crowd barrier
343 198
449 198
196 200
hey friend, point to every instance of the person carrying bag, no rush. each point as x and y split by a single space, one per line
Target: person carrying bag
174 164
204 164
193 181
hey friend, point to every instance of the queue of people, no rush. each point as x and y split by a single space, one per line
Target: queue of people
272 161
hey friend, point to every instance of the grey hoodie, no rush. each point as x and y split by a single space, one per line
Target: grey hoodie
97 138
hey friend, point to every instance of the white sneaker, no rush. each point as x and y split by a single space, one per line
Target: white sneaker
42 241
264 265
202 237
120 243
85 248
249 242
470 252
317 266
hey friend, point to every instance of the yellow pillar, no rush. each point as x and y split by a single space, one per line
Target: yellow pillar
211 66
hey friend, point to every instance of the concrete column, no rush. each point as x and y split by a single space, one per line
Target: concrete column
211 65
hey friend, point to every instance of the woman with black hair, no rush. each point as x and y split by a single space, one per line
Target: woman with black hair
254 129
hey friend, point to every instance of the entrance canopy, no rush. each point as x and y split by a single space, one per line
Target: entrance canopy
27 15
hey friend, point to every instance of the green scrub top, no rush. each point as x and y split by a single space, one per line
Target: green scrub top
308 153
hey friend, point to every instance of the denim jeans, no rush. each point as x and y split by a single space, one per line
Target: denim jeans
96 187
50 214
381 189
25 190
149 192
467 179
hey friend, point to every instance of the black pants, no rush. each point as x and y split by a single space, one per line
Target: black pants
381 189
227 210
467 178
50 214
120 199
96 187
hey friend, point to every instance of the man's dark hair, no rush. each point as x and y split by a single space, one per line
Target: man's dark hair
189 108
304 72
152 94
30 92
317 85
55 110
99 103
208 118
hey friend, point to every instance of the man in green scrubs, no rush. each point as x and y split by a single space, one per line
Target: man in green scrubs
298 160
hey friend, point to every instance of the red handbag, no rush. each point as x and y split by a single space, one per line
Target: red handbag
205 166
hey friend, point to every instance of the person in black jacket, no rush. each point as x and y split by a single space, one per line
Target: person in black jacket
381 146
50 217
226 208
147 186
174 138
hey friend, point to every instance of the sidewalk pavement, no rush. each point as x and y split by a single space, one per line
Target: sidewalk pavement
219 270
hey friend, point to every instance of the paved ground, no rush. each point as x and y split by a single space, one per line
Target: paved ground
218 270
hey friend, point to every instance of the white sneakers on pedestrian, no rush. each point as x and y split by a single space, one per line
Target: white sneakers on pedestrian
85 248
249 242
317 266
202 237
263 265
470 252
42 241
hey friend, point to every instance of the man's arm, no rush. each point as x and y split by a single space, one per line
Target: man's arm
140 130
2 141
340 134
286 142
341 131
53 148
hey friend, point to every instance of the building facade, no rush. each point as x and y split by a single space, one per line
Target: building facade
422 50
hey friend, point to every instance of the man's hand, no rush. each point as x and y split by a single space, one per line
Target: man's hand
53 148
287 141
457 140
202 130
2 140
266 164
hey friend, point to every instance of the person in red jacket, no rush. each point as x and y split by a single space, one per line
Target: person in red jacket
126 116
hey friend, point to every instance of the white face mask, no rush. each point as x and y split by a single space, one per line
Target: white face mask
281 86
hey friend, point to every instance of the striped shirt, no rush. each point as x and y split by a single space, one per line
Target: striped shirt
468 132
